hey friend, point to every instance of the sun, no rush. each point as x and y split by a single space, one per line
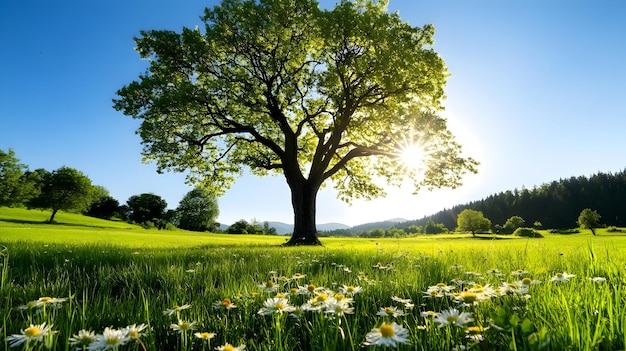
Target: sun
412 156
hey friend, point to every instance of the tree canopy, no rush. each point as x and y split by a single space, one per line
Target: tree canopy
198 211
285 87
146 207
473 221
589 219
13 191
63 189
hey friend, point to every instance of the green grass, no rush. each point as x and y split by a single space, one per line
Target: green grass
115 275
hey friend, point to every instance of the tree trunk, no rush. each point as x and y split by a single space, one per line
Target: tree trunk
303 199
54 212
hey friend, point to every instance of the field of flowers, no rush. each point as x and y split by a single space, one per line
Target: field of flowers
454 296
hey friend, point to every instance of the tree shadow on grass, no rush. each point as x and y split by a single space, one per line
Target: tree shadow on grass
25 221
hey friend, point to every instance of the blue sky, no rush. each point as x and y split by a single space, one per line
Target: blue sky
537 93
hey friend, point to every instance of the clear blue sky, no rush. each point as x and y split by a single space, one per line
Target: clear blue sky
537 93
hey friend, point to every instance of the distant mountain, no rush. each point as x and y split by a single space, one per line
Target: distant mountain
285 228
375 225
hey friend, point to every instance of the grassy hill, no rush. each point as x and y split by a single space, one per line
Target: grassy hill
17 224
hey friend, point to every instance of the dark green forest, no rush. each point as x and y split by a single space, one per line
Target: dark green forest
555 205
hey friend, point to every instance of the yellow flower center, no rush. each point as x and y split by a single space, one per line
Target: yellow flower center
226 302
468 296
339 297
31 332
184 325
205 335
322 297
228 348
279 306
133 334
474 330
440 285
434 292
452 319
310 287
388 310
293 290
350 288
113 340
280 295
386 331
513 286
560 275
269 284
526 281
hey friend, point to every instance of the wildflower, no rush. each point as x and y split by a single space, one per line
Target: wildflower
562 277
276 306
528 281
350 290
339 308
387 335
110 339
225 304
83 338
317 303
452 317
33 332
268 286
229 347
205 335
597 279
183 326
135 331
519 272
407 302
513 288
428 314
390 312
298 276
175 309
475 333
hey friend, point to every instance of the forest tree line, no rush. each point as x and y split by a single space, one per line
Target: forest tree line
554 205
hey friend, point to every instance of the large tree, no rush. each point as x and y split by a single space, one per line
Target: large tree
63 189
286 87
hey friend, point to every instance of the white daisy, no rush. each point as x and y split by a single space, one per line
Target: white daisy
110 339
387 335
562 277
229 347
452 317
276 305
33 332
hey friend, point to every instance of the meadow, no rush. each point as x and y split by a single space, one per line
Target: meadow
101 285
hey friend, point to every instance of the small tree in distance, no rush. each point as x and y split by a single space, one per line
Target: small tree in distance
589 219
197 211
472 221
146 207
63 189
512 224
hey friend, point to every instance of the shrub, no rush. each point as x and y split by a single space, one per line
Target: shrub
527 232
613 229
564 231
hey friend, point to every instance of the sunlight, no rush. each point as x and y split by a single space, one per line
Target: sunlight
412 156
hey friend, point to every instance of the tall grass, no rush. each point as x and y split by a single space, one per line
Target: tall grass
113 286
124 282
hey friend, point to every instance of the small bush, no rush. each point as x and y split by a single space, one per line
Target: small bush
527 232
564 231
613 229
147 225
